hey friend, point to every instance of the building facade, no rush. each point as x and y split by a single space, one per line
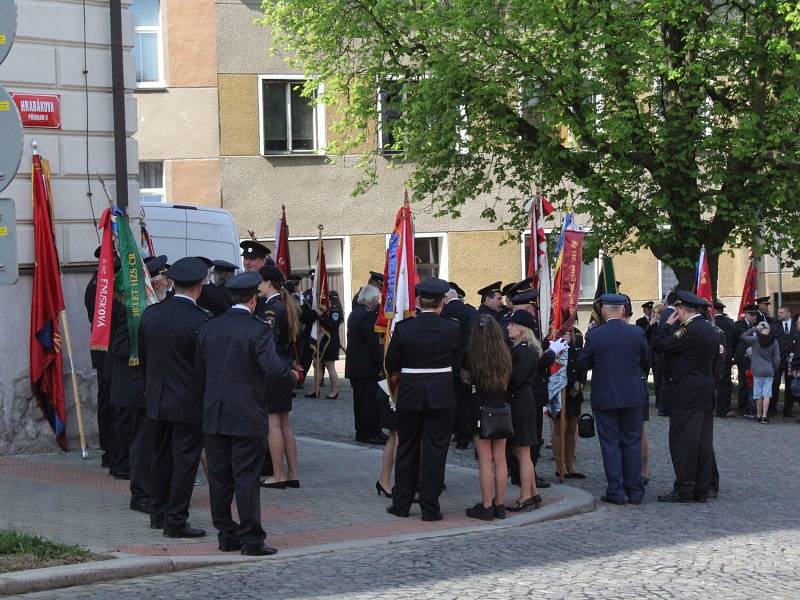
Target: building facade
49 56
271 153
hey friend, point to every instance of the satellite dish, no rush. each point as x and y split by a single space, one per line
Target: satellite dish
8 26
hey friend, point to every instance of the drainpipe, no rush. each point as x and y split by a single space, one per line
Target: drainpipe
118 95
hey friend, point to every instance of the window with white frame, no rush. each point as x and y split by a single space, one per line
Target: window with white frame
667 280
390 101
151 182
291 123
148 43
431 255
303 258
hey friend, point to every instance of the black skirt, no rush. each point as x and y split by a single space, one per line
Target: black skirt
524 419
386 416
279 397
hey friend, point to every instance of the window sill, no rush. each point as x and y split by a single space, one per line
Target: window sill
156 87
311 154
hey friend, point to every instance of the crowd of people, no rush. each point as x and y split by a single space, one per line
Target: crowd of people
221 356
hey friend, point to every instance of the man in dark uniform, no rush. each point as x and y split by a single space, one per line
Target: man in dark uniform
644 321
308 316
784 330
764 309
168 334
724 385
690 355
618 356
214 296
105 410
376 280
235 358
133 432
491 300
740 357
422 356
456 310
255 255
364 366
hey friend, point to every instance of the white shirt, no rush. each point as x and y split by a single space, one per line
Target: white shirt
273 295
241 307
787 326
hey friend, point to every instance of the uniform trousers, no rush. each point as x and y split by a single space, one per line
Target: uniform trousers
121 440
462 425
366 415
427 431
724 389
691 446
743 400
619 432
176 456
788 397
234 466
105 415
141 454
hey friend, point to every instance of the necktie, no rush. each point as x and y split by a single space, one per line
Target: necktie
785 327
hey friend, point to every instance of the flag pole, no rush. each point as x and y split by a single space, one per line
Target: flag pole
562 445
317 357
67 338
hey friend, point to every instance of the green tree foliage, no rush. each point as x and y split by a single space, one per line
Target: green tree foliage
677 121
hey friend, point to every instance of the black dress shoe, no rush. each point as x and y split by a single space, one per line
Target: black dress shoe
140 506
712 493
635 501
156 523
479 511
187 531
541 483
383 436
396 511
376 441
701 498
293 483
427 516
120 475
275 485
674 496
258 551
229 546
609 500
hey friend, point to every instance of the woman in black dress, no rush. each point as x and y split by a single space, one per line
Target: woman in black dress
489 362
576 380
524 358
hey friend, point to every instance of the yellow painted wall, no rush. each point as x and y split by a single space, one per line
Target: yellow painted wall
238 115
477 258
367 253
638 275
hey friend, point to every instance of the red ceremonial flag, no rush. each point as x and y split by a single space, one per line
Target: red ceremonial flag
47 302
320 291
750 289
282 244
703 283
567 282
101 320
398 297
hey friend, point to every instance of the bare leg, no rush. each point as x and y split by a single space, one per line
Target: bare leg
334 376
389 452
275 440
290 445
485 474
500 470
759 405
527 475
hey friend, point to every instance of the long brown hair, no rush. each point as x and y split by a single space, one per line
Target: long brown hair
489 356
292 314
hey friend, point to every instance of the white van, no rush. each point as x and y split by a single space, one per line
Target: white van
179 230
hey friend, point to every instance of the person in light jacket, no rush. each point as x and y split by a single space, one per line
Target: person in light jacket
765 358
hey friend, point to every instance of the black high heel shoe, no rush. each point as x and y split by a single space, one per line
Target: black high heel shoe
381 490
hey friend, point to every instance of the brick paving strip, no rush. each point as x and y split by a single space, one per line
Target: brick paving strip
74 501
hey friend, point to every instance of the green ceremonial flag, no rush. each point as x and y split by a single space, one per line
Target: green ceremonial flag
131 283
606 284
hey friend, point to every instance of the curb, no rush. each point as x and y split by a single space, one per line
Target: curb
573 501
50 578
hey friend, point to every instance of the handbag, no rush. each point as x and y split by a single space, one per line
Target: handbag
795 387
494 422
586 426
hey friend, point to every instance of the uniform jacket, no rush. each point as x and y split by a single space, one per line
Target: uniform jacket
214 298
728 327
485 310
618 356
274 314
235 357
644 323
127 382
786 341
690 354
364 358
98 356
739 347
524 367
424 342
456 310
168 337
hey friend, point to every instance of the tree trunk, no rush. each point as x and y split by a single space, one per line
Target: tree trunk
713 269
686 277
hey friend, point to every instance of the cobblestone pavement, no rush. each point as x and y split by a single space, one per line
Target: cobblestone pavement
745 544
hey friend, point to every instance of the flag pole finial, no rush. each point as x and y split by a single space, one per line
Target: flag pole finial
35 146
406 203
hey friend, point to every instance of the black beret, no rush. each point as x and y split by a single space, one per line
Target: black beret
271 273
377 277
648 304
188 270
528 297
524 318
455 287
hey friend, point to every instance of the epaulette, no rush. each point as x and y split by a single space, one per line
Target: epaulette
203 310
